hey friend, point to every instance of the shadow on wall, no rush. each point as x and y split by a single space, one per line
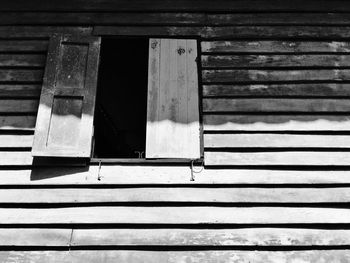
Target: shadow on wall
275 122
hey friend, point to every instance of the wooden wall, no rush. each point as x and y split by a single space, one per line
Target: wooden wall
275 88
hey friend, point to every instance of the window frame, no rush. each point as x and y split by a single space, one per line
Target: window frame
199 161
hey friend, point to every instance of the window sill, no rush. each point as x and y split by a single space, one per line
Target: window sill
143 161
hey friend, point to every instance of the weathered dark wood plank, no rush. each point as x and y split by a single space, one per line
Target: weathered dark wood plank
17 60
268 46
23 90
276 105
279 122
40 31
19 122
182 5
261 76
23 45
276 141
166 176
18 105
281 61
209 256
174 215
16 140
178 194
276 90
278 158
232 32
164 18
21 75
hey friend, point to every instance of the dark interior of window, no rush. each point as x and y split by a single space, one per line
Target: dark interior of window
121 103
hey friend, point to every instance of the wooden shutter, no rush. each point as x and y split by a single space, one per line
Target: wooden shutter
64 125
173 129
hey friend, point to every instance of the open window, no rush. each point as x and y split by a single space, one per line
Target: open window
142 103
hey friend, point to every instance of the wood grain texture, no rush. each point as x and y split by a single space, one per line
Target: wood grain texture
174 215
21 75
7 45
209 237
276 105
278 158
20 90
172 109
166 175
16 140
278 90
166 18
19 105
276 122
158 5
35 237
172 237
272 61
18 60
64 126
17 122
178 194
211 256
251 75
231 32
257 140
44 32
269 46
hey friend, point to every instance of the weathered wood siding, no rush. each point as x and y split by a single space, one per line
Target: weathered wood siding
275 100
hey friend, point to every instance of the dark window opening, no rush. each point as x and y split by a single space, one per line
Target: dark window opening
121 103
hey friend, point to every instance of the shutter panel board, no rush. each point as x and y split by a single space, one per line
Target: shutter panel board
64 126
173 115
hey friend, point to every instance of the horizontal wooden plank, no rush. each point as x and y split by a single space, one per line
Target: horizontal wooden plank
19 122
278 158
158 5
207 237
174 215
35 237
21 75
23 45
251 75
257 140
23 157
276 122
172 237
232 32
15 158
164 18
19 105
268 46
16 140
20 90
293 90
276 105
210 256
19 60
281 61
138 175
39 32
178 194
